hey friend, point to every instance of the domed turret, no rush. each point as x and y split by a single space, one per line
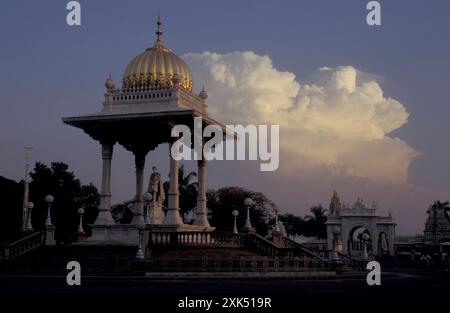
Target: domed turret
156 66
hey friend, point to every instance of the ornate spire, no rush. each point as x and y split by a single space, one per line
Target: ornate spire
335 205
158 43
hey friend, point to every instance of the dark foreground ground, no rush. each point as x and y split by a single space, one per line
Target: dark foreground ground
409 288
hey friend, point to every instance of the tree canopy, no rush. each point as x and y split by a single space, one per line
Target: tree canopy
310 226
69 195
223 201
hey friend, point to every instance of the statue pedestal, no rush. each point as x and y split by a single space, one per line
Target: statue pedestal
157 215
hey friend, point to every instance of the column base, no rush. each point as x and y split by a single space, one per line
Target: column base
50 236
173 217
138 220
104 218
201 220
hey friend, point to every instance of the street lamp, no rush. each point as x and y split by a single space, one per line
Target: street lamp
248 202
30 209
140 252
49 199
365 237
235 215
334 253
80 226
147 198
277 226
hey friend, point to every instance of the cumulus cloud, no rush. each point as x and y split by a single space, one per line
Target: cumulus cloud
338 123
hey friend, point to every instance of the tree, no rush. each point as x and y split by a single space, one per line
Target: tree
69 195
294 224
309 226
223 201
315 223
11 194
122 213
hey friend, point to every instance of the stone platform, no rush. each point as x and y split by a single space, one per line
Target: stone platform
127 234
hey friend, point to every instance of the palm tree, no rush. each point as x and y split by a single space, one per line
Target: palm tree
316 221
188 189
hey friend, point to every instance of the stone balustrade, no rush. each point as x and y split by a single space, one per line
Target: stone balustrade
21 246
234 264
222 239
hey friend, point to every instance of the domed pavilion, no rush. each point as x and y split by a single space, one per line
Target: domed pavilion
156 94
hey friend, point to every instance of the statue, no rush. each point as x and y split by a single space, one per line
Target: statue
156 189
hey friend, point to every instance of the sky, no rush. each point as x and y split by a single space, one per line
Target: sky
362 110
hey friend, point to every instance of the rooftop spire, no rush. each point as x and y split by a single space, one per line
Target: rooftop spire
158 32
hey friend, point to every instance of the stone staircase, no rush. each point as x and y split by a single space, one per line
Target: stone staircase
188 252
53 260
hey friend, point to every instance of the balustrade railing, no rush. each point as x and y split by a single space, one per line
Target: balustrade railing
261 244
234 264
21 246
222 239
297 249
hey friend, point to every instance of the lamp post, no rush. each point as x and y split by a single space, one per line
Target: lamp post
248 202
26 190
334 257
147 198
277 225
30 209
140 252
365 238
235 214
49 199
80 226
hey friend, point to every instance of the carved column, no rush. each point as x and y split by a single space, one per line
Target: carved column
138 207
173 209
201 217
104 216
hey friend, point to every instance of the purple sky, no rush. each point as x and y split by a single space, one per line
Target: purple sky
50 70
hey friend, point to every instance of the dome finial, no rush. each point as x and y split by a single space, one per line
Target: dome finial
158 32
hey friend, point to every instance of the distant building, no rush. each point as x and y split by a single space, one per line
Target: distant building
348 226
437 226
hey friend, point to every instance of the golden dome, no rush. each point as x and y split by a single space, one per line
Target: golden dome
156 66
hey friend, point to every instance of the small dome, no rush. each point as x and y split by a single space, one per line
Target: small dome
157 66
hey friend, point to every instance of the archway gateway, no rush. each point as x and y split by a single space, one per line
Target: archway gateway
356 221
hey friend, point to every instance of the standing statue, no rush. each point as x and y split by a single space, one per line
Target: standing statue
156 189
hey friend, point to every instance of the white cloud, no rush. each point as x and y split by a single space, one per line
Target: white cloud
339 123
